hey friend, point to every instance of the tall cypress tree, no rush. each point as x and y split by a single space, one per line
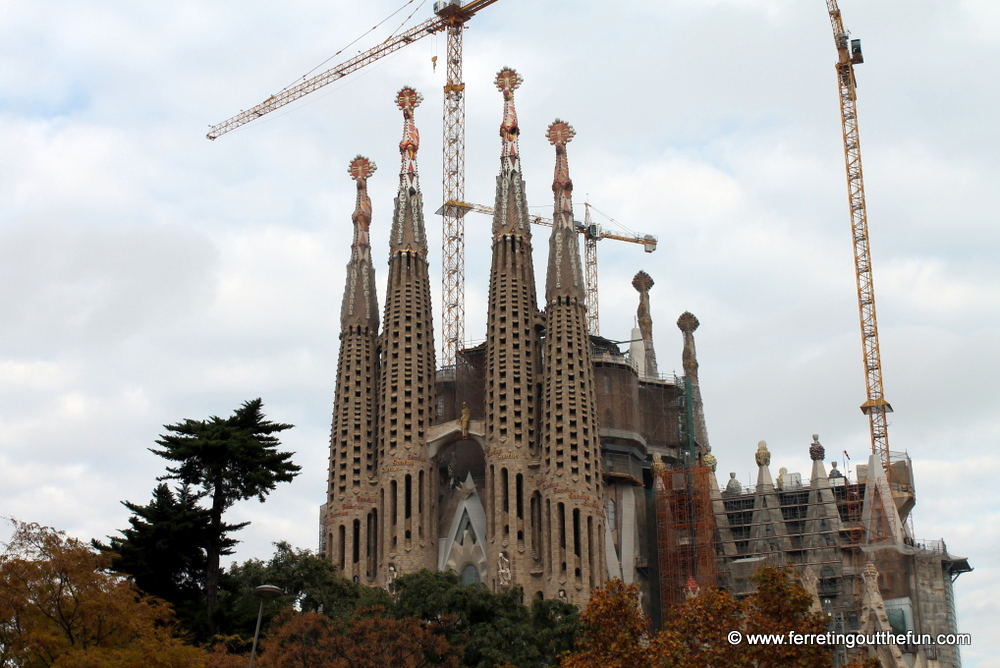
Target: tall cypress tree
229 459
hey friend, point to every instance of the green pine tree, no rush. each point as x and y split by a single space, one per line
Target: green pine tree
229 459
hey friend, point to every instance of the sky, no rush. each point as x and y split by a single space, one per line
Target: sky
148 275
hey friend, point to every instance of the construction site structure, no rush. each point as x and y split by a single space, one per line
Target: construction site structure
450 17
828 529
592 233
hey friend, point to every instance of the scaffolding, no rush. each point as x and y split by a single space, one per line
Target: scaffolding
685 532
685 522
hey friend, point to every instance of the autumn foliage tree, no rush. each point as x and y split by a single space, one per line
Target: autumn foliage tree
694 634
61 607
313 640
615 631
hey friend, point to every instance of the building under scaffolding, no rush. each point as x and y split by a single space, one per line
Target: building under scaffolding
834 532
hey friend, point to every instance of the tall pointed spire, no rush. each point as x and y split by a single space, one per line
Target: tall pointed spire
687 323
360 306
513 356
350 510
511 211
408 234
565 273
643 282
407 498
571 450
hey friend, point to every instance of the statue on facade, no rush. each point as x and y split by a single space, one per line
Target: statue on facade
503 569
733 486
464 420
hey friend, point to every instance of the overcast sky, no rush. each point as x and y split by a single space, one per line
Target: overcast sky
148 275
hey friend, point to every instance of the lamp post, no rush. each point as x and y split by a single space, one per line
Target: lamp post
264 593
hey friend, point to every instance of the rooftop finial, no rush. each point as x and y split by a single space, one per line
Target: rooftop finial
359 309
507 82
408 99
360 169
565 274
559 134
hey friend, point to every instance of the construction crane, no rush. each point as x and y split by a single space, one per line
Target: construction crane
450 17
875 407
592 233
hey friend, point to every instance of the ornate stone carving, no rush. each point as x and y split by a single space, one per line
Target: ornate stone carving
763 455
817 452
503 570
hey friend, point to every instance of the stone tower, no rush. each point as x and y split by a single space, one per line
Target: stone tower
350 523
512 357
571 451
407 499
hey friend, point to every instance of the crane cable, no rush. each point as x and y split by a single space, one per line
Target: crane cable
360 37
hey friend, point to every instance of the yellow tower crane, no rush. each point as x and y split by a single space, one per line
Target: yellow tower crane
592 233
450 17
875 407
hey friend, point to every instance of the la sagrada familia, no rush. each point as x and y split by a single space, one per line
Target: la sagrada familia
548 459
527 464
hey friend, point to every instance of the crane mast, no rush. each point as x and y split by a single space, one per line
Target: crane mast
875 406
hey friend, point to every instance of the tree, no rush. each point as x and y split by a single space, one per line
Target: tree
312 640
310 583
491 627
780 604
230 459
694 634
614 631
60 607
164 550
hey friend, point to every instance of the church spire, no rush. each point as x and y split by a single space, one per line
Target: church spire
642 282
360 307
510 215
408 233
513 356
571 449
687 323
565 273
406 399
351 494
507 82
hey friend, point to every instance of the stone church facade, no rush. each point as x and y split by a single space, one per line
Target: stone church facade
528 463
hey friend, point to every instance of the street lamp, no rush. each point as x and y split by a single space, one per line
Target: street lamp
264 593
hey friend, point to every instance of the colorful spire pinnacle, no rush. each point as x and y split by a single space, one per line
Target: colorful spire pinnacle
359 308
360 169
408 233
407 99
565 273
507 82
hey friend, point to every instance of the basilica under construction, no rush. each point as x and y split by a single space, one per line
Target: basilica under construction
552 460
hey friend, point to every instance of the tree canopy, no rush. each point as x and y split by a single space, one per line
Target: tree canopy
60 607
229 459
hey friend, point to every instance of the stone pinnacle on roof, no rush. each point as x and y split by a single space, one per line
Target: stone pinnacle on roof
565 273
360 308
510 214
643 282
507 81
408 233
407 99
360 169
